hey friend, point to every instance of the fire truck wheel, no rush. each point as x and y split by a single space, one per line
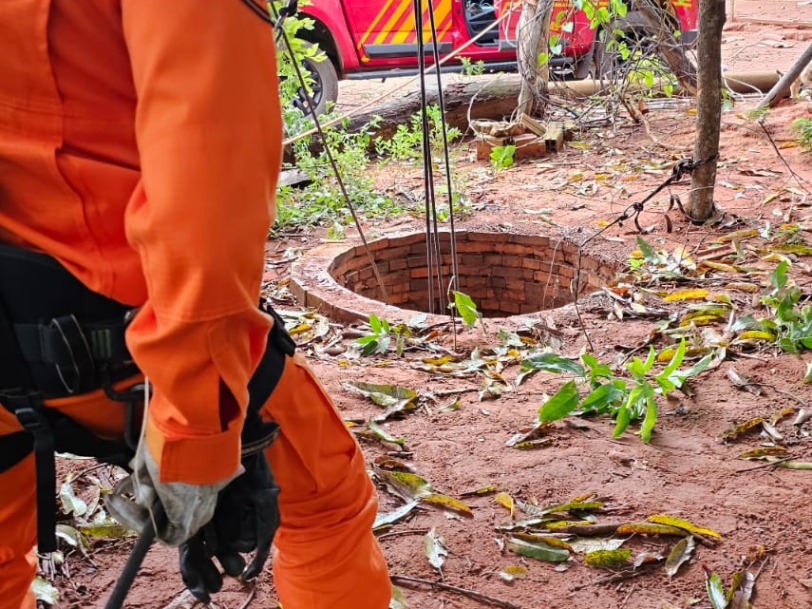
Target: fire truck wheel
325 87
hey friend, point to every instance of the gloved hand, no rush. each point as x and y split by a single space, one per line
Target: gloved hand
245 521
188 506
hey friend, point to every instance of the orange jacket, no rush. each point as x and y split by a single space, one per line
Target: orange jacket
140 142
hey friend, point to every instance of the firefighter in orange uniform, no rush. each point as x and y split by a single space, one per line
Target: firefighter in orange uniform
139 150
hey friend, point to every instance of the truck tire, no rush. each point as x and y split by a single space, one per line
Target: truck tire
325 87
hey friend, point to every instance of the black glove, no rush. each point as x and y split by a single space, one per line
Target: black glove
245 521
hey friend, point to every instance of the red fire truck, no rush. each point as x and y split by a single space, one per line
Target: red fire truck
377 38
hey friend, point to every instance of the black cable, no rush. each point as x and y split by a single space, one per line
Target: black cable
139 552
428 177
259 11
441 103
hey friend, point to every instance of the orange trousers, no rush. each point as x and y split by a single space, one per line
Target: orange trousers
325 557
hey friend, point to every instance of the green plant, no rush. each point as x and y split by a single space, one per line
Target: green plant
645 69
321 200
758 114
802 127
407 141
793 325
626 399
465 306
472 68
379 339
502 157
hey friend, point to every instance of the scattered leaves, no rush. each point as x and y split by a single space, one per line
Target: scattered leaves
607 559
435 548
681 523
679 555
537 550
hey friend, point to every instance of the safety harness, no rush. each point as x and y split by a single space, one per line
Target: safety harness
60 339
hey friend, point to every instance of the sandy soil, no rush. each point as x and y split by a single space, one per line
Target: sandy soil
687 470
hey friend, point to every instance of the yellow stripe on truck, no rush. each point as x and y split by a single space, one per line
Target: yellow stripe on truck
394 19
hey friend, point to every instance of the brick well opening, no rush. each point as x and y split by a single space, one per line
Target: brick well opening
505 274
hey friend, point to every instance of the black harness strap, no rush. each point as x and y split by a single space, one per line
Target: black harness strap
29 412
13 370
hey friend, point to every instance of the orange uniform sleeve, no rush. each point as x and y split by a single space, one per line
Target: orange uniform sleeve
208 128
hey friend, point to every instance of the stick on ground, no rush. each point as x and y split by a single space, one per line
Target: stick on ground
410 582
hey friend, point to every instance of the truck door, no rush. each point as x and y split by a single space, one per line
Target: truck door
384 30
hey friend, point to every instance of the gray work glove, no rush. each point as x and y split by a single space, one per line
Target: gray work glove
188 506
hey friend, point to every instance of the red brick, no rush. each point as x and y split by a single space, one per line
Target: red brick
471 281
415 261
492 259
488 237
397 264
515 248
510 306
515 286
470 247
474 260
378 244
537 241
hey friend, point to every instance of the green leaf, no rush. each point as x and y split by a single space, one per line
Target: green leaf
561 404
624 417
106 528
537 550
675 362
434 546
407 485
394 398
649 253
44 591
680 554
648 423
412 487
467 309
638 368
381 433
716 591
607 558
778 278
604 396
596 369
679 377
375 323
550 362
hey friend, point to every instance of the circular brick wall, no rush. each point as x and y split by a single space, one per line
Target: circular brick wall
505 274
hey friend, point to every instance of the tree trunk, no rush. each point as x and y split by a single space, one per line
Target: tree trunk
496 98
781 89
533 33
708 108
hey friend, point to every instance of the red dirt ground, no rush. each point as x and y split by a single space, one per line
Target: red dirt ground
685 471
